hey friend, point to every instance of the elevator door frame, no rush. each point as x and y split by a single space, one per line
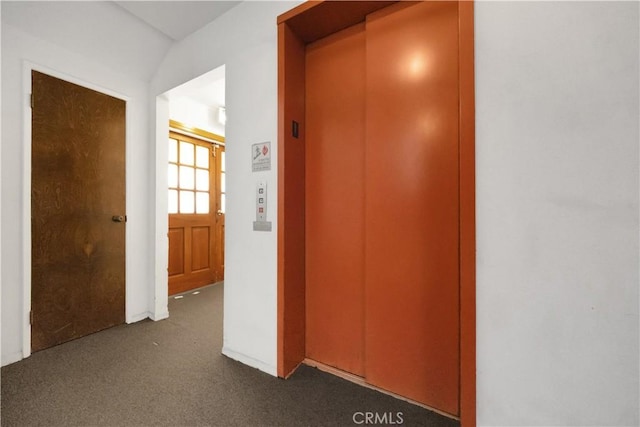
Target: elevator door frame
297 28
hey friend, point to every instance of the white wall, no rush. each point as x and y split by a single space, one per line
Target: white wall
195 114
557 213
557 203
18 47
0 202
100 30
245 39
557 198
159 201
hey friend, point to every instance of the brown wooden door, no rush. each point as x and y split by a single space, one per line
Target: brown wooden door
194 194
381 203
78 185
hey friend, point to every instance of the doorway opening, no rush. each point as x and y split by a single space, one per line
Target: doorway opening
196 183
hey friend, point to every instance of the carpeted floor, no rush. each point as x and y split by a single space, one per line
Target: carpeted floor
171 373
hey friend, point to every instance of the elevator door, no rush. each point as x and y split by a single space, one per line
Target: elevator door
382 279
335 200
412 283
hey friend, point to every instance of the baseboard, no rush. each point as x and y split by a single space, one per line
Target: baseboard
138 317
160 316
8 359
250 361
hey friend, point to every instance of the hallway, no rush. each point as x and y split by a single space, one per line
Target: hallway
171 373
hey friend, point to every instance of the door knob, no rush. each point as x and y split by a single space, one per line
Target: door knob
119 218
219 212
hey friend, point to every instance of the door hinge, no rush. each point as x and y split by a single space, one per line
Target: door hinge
31 100
31 317
214 151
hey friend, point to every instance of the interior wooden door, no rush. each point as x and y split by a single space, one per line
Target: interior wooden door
412 206
193 191
78 187
334 204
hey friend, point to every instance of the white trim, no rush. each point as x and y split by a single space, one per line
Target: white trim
160 133
250 361
28 65
0 191
26 209
14 357
26 192
138 317
159 316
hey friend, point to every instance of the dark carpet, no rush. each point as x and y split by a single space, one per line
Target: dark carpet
171 373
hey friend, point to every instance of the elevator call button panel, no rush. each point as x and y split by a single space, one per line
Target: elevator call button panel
261 223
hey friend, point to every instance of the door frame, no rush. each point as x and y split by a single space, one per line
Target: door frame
27 68
302 25
159 122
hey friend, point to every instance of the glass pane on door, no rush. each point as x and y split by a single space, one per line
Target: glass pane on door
186 153
202 202
173 201
202 179
202 157
186 177
187 202
173 150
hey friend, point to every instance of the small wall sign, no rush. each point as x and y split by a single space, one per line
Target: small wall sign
261 157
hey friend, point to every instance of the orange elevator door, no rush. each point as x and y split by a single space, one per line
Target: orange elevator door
335 200
412 311
382 209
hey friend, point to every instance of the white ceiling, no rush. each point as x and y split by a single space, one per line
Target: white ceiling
207 89
100 31
131 37
177 19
